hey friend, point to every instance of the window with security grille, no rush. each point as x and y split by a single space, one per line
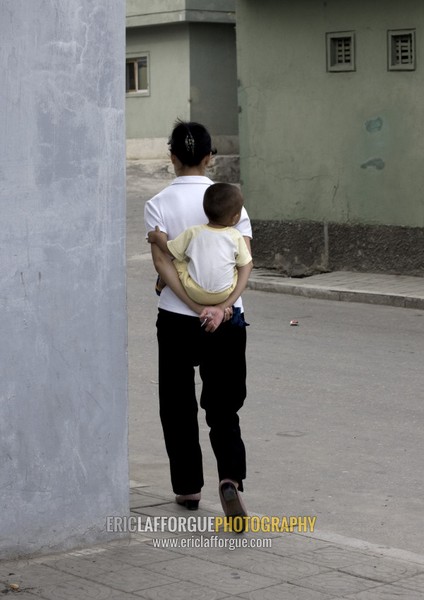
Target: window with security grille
137 75
341 51
401 50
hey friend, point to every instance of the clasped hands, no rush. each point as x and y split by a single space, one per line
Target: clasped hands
212 317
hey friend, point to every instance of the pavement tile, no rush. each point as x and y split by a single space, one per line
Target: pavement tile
131 579
170 508
236 582
137 501
32 575
215 576
22 595
125 596
291 543
146 536
334 557
73 589
141 538
413 583
8 567
337 583
141 499
265 564
104 563
182 591
144 500
385 570
144 554
286 591
128 542
230 597
74 565
386 592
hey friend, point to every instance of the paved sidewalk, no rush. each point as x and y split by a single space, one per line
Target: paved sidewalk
172 565
393 290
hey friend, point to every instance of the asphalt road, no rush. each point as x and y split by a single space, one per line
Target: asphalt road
333 422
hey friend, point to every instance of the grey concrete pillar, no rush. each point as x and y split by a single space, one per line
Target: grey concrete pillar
63 366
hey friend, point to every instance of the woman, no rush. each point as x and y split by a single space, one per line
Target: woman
192 335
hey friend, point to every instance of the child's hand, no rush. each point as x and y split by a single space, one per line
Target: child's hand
152 235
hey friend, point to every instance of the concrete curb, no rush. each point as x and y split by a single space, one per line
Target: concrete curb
302 287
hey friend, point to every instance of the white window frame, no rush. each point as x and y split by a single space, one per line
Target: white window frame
134 59
392 36
331 40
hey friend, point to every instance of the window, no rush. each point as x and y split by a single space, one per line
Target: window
341 51
401 49
137 75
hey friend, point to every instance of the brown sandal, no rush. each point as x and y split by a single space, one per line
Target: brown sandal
231 501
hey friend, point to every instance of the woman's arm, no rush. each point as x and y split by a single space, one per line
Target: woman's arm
166 270
162 261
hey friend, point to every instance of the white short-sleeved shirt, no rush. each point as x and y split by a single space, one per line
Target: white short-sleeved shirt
174 209
212 255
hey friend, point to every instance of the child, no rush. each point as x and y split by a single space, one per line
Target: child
212 260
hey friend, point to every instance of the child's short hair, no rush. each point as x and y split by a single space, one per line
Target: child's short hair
190 142
222 201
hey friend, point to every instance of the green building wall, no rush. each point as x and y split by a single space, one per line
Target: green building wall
331 162
213 69
168 46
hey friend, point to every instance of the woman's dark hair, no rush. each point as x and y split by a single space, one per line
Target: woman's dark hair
190 142
222 201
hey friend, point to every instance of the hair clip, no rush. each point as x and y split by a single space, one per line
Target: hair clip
189 142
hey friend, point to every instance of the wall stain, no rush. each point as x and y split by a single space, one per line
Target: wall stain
377 163
374 125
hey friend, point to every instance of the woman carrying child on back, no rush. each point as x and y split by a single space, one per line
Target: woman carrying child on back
191 334
212 260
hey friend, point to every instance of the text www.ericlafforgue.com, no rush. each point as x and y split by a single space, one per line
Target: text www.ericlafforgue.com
211 542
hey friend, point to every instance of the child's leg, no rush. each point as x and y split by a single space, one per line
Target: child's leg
194 290
160 284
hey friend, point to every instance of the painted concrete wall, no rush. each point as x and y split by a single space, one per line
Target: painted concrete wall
192 52
155 12
193 75
169 52
138 7
325 147
63 395
213 79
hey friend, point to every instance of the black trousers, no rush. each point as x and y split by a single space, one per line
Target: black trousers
221 357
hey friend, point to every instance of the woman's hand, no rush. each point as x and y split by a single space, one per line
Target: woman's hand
212 317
